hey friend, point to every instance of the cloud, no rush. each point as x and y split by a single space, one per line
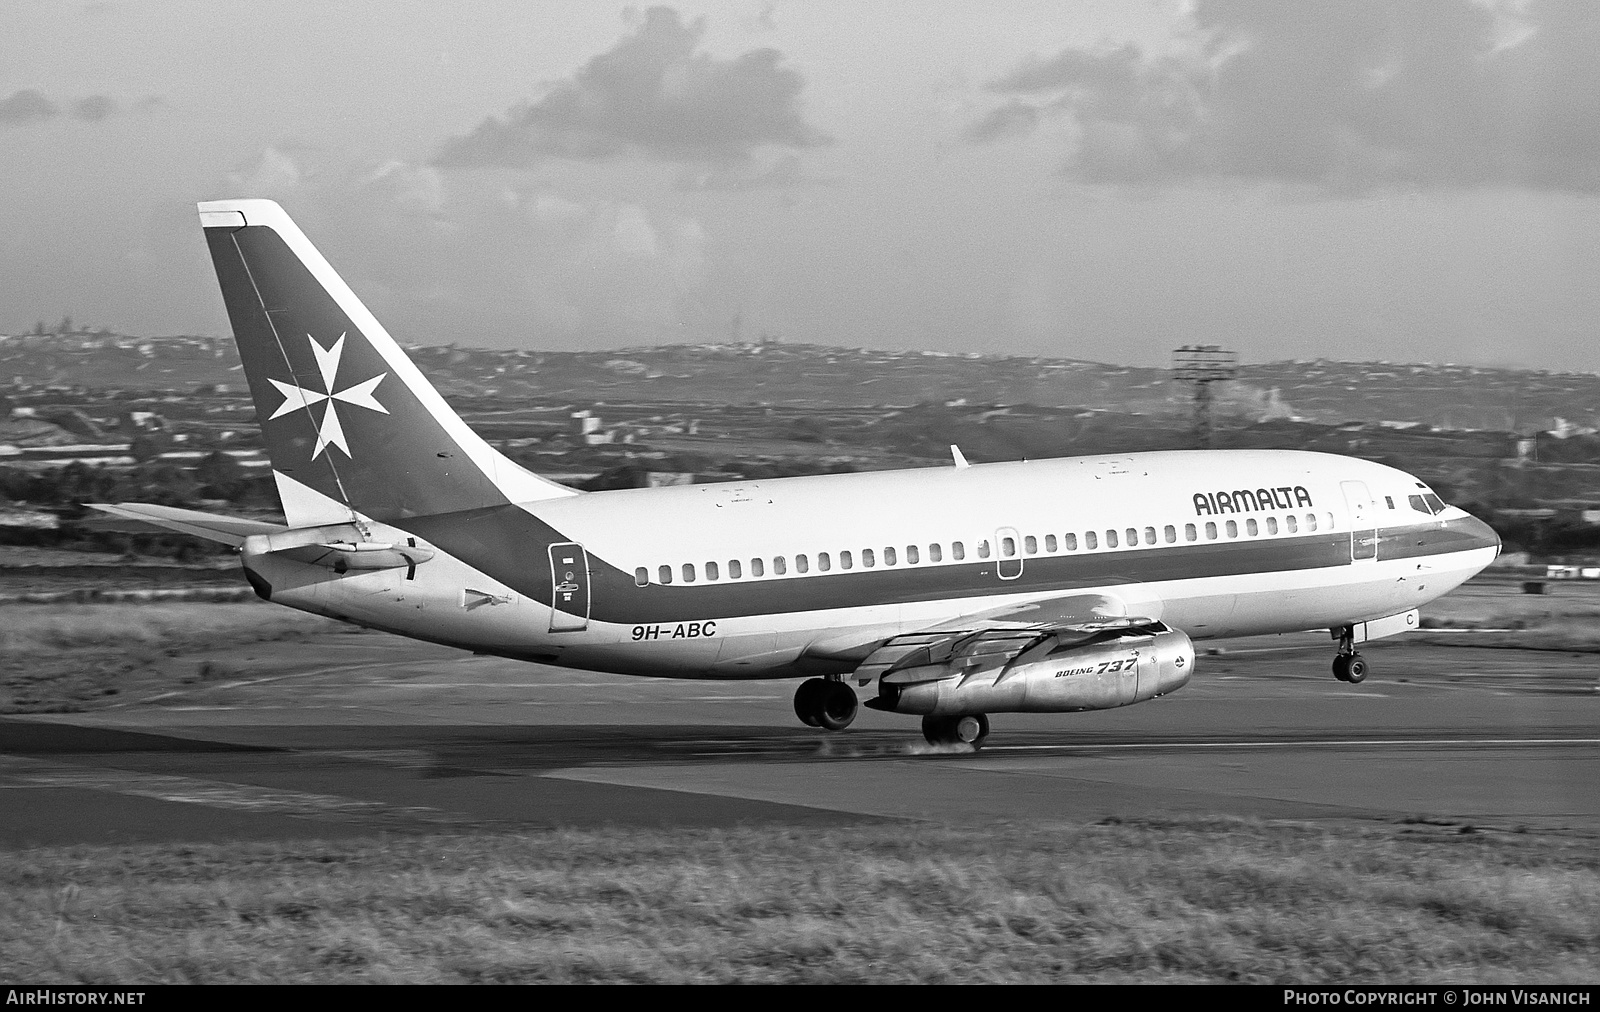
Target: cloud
652 94
30 105
271 175
25 106
94 108
786 172
1347 96
487 259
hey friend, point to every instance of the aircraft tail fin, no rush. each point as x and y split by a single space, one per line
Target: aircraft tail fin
352 427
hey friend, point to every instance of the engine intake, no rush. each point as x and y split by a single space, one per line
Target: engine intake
1060 673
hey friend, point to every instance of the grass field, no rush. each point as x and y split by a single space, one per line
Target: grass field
73 657
1159 901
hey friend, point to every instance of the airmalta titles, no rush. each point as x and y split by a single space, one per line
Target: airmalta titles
1243 500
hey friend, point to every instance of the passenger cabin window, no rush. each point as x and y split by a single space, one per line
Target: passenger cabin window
1250 527
1189 533
1072 542
711 570
824 562
1111 539
1211 530
641 577
780 565
1311 521
1233 529
935 553
867 558
1171 534
801 565
1030 544
1089 540
1272 525
1288 522
666 574
958 551
1133 537
756 568
845 560
688 572
983 549
1149 535
911 555
888 557
1049 542
734 569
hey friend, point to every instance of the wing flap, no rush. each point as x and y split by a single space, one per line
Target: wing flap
992 639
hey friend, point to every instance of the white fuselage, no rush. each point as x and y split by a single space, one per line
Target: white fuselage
802 575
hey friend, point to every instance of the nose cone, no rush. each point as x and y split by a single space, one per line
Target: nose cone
1481 534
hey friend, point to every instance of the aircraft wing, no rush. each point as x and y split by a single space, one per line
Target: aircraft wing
993 637
143 518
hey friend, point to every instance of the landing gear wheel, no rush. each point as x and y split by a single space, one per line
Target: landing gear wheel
837 706
827 704
1350 668
966 729
1355 669
807 701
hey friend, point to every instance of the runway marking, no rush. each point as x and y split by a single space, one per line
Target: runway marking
219 794
1365 743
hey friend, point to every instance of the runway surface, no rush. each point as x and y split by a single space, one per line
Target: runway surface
362 734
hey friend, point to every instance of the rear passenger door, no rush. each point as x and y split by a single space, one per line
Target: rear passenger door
569 587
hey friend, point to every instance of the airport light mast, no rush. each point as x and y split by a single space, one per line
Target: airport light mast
1203 365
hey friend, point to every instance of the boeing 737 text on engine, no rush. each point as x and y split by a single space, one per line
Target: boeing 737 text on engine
955 592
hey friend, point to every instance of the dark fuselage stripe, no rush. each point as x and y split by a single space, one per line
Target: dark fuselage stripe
509 544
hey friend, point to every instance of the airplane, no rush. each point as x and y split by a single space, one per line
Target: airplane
958 591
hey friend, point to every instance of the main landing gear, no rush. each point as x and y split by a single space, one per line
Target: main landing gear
1349 666
827 703
965 729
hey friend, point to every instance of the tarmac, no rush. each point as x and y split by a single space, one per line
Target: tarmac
354 735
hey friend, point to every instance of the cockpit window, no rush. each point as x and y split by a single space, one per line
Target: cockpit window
1429 503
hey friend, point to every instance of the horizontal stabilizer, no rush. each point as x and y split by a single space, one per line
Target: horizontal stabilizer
145 518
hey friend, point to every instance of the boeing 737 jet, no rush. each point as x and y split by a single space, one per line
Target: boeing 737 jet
953 592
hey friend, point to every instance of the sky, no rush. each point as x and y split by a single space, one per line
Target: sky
1401 180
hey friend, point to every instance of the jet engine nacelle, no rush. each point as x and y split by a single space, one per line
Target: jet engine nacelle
1068 671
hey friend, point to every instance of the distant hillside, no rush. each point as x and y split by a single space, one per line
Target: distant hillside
1325 392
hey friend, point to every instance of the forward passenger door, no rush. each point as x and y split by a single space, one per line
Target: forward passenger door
1363 526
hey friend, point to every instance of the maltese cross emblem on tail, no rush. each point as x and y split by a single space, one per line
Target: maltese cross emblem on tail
297 397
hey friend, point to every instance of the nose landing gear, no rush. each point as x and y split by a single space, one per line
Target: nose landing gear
826 703
1349 666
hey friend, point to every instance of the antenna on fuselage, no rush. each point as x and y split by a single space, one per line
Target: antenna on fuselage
959 457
